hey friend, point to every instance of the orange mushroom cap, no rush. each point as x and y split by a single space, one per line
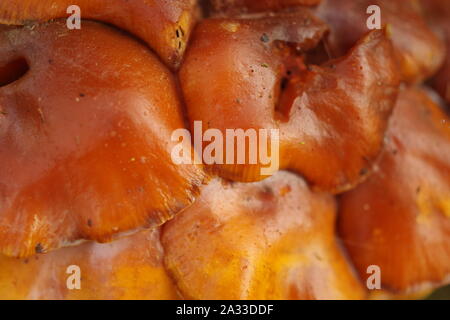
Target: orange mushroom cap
399 219
85 139
164 25
272 239
331 119
418 51
129 268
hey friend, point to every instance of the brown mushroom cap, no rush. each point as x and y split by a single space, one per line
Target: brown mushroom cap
164 25
244 74
130 268
399 219
274 239
85 139
418 51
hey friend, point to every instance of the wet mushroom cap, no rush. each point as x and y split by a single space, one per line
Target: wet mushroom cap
164 25
131 267
272 239
419 53
399 219
331 118
85 139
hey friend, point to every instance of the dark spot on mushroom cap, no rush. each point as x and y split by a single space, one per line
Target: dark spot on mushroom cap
284 83
265 38
39 248
267 190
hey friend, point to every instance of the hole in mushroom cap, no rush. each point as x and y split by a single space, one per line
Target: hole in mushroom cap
13 71
290 86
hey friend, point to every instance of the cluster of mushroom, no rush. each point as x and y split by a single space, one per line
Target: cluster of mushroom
87 179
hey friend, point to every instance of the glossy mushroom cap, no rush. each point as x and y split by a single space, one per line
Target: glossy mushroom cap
85 139
129 268
419 53
250 74
273 239
399 219
269 240
164 25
